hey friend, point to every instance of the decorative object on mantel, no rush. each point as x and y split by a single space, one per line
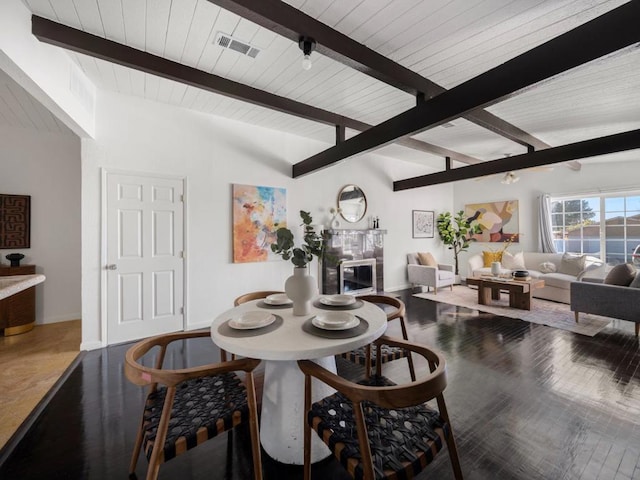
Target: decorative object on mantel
257 213
15 221
300 287
456 232
352 204
15 258
423 223
335 223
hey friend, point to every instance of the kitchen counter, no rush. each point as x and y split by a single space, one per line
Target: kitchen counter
13 284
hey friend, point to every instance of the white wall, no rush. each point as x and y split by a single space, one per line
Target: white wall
212 153
604 176
47 167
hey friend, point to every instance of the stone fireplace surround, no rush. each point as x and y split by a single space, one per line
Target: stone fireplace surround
350 244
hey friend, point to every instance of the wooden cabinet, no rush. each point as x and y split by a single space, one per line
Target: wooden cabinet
18 312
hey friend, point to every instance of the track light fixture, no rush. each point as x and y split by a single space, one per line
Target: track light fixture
307 45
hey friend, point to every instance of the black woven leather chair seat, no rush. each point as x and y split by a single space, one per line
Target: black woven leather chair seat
387 354
403 441
202 408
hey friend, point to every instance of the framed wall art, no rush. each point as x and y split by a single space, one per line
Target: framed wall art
423 223
498 220
257 213
15 221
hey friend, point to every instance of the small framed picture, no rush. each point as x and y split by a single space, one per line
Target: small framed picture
423 223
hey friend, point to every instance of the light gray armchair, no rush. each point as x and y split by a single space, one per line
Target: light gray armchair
425 276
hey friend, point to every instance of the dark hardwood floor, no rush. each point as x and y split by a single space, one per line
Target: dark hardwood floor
526 402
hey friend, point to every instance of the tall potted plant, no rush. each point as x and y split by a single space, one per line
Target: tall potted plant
300 287
456 232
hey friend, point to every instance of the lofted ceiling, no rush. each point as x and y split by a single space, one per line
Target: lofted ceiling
449 42
18 109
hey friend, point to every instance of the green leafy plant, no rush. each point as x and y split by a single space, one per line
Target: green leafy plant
456 232
302 255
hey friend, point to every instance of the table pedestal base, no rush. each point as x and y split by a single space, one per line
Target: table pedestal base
282 419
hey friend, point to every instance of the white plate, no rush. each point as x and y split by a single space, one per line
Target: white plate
252 319
338 300
278 299
335 320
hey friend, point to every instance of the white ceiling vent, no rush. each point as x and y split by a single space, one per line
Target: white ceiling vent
227 41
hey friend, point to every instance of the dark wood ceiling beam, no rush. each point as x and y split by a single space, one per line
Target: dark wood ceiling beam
70 38
588 148
291 23
601 36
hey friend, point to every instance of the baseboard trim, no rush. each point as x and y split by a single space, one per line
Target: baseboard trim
198 326
14 440
59 318
93 345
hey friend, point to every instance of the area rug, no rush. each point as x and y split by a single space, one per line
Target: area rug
543 312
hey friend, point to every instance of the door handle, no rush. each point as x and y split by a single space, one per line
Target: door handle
113 266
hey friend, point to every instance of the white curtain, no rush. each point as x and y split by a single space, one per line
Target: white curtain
545 234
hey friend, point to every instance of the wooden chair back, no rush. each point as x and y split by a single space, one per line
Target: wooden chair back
157 375
247 297
396 312
389 397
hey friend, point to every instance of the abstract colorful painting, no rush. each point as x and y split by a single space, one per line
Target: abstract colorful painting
257 213
498 220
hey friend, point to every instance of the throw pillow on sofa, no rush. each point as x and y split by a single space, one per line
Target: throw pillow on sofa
489 257
622 274
513 262
571 264
547 267
427 259
635 283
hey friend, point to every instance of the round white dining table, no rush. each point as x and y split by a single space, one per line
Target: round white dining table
280 345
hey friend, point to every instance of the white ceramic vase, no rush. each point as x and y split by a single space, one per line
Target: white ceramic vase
301 288
495 268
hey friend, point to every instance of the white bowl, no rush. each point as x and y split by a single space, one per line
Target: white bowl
335 320
277 299
338 299
252 319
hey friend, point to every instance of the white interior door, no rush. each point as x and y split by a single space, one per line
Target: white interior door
144 251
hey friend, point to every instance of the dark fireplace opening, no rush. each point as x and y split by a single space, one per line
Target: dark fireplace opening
357 277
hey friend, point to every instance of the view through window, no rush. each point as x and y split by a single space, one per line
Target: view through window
605 226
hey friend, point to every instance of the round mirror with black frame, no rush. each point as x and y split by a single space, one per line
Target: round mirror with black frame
352 203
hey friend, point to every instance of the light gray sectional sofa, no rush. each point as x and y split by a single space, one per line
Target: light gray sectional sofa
557 277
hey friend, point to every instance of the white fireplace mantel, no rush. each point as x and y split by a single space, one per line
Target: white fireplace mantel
352 231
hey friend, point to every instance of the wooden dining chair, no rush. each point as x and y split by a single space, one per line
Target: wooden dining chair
379 430
247 297
187 406
369 357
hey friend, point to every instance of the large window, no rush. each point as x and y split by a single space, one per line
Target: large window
605 226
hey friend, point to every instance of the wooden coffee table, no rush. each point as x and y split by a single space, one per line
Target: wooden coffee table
519 291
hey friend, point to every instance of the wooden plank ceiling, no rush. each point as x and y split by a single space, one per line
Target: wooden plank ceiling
446 41
18 109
